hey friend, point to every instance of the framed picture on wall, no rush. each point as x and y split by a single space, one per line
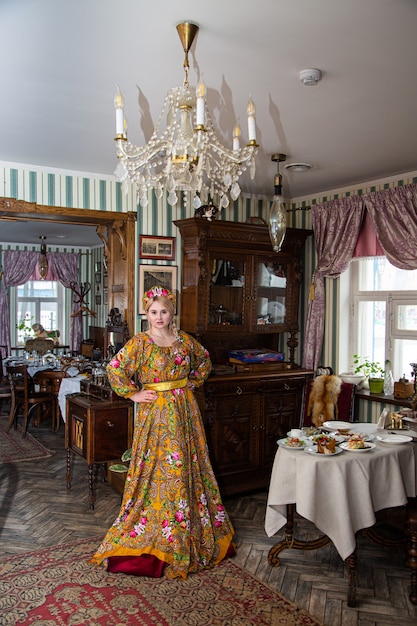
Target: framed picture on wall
158 248
152 275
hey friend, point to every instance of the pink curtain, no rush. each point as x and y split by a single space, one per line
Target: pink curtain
367 244
336 226
19 267
394 218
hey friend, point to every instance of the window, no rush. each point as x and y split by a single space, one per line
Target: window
384 313
39 301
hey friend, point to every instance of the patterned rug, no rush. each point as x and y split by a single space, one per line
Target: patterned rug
58 586
15 449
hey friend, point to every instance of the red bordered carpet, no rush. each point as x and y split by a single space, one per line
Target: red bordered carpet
14 448
56 586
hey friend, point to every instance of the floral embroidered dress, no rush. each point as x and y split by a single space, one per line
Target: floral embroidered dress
171 507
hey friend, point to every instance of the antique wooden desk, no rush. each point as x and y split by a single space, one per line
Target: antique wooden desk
98 430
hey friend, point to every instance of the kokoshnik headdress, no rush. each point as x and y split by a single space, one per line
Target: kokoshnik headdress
162 292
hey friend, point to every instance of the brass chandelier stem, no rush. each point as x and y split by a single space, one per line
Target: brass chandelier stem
187 33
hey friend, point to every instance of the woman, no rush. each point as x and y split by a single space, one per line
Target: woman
172 520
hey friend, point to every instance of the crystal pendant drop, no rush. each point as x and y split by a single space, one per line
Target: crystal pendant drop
235 191
224 202
172 198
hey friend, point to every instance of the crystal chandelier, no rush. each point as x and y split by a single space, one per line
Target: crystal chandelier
43 260
277 221
183 153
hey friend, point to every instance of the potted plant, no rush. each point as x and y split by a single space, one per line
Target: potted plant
372 370
122 468
24 328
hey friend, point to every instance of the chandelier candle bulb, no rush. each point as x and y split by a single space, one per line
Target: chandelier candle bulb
251 110
200 113
236 137
118 105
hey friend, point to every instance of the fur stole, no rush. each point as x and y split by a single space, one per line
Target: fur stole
322 404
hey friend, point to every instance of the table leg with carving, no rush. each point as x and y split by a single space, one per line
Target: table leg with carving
352 567
290 541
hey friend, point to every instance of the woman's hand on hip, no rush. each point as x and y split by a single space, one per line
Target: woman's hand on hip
144 395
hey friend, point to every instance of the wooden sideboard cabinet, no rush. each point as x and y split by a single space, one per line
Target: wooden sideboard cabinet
237 293
244 416
97 430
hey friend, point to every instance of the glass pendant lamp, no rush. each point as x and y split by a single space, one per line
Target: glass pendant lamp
43 261
277 220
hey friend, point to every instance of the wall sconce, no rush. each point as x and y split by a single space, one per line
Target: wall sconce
43 261
97 272
277 221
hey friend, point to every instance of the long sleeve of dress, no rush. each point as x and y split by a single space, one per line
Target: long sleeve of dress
143 361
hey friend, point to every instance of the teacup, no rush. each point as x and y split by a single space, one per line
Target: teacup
296 433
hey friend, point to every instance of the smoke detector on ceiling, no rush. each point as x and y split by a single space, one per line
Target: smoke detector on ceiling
310 77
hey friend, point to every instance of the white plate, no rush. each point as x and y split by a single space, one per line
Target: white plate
282 442
394 438
336 425
313 450
369 446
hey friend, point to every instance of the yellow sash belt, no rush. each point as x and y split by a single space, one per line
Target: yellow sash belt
167 385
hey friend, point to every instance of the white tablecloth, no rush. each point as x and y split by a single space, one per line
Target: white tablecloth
340 493
68 385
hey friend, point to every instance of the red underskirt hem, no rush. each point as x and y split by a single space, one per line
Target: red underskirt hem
145 564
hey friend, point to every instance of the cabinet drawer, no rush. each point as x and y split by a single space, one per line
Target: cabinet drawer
282 385
232 388
111 434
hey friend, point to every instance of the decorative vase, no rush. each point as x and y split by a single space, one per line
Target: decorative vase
376 385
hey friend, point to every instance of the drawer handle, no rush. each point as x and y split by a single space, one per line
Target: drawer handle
238 391
110 424
286 387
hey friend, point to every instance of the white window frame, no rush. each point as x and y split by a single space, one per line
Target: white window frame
392 299
62 309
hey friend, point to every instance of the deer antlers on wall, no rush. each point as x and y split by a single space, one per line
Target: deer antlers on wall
81 290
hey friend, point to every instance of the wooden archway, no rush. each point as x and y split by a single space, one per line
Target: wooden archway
116 230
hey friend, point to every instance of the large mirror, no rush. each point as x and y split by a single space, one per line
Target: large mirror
114 231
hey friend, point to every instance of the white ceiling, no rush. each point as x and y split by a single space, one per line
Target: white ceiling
62 60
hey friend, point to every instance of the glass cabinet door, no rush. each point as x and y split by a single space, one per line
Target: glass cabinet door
227 285
271 289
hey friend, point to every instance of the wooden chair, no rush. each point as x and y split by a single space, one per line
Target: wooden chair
23 396
5 388
40 345
50 382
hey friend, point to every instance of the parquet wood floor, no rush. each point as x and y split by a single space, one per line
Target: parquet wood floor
37 510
